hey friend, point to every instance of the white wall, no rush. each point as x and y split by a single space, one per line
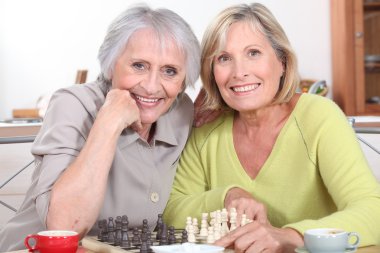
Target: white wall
44 42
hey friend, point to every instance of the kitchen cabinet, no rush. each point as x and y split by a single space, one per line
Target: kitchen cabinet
355 34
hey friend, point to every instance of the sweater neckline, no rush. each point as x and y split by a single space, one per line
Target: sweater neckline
276 147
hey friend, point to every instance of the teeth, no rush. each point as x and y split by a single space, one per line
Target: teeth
245 88
147 100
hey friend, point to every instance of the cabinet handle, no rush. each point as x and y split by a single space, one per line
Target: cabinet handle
359 34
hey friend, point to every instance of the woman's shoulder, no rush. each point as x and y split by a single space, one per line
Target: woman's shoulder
316 106
88 97
315 111
214 128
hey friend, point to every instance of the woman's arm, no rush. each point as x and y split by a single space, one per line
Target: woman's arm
77 195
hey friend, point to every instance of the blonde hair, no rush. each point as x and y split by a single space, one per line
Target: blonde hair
260 18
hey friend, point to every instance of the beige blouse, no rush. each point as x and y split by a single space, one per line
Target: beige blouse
141 175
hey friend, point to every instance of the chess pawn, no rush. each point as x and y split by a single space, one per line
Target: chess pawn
217 228
203 231
144 248
118 232
205 216
191 235
212 218
149 239
184 236
195 226
100 227
171 237
188 223
125 242
164 235
104 231
224 229
233 217
145 226
135 237
243 219
111 231
210 235
158 228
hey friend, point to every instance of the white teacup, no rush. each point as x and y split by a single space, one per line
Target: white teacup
325 240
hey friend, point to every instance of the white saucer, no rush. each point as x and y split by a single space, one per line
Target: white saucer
187 247
304 250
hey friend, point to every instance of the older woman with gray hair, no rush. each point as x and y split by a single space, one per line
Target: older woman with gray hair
111 147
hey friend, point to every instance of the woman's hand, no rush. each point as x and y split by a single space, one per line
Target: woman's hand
121 108
244 203
202 116
256 237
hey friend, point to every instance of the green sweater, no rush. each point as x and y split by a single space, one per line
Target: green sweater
316 175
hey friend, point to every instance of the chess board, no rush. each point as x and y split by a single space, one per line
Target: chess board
94 244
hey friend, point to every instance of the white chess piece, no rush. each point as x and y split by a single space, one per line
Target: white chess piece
212 218
191 235
204 226
224 218
217 230
210 236
243 219
195 226
233 217
188 224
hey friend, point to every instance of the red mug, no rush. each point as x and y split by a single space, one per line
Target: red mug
53 241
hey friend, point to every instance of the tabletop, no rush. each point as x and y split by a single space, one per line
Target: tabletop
370 249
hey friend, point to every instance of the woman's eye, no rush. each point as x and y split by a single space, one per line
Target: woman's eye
253 52
170 71
138 65
223 58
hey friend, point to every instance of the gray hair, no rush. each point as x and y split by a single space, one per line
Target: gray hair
166 23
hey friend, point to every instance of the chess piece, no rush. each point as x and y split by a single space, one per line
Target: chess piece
145 226
188 224
125 242
212 218
217 228
111 231
195 226
203 232
149 239
159 227
224 218
164 235
135 237
104 231
210 235
191 235
184 236
243 219
100 232
171 237
233 217
144 248
118 234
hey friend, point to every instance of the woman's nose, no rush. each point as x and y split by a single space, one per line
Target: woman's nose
152 83
240 69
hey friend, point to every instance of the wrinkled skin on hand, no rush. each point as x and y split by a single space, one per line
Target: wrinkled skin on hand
244 203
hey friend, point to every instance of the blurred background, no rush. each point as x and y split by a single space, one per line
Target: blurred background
43 43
